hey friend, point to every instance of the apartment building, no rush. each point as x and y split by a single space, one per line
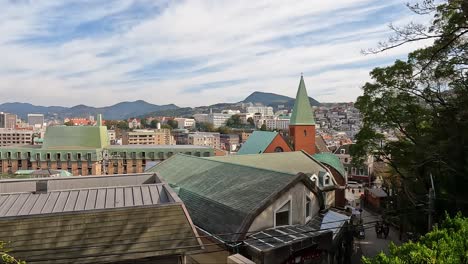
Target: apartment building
15 137
183 123
207 139
148 137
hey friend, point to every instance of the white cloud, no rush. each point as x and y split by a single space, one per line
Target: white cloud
267 44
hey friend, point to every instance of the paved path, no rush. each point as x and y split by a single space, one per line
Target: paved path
371 245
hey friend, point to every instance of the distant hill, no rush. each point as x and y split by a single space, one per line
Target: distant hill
271 99
121 110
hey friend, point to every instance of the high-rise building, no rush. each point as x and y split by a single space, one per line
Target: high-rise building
15 137
148 137
36 120
7 120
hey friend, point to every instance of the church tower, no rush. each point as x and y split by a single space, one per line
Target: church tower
302 123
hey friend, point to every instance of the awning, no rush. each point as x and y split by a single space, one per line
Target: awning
276 245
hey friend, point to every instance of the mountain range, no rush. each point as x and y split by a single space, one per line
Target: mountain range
125 110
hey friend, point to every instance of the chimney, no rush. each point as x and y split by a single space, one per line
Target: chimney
41 186
99 120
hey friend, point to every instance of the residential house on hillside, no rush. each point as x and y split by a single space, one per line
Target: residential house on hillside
96 219
359 173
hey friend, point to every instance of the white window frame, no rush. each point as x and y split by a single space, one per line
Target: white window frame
308 217
279 207
314 176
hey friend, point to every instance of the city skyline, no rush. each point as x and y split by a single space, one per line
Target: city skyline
190 53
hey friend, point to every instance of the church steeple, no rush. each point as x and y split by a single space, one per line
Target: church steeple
302 112
302 123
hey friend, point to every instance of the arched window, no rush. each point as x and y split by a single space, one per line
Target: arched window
279 149
305 133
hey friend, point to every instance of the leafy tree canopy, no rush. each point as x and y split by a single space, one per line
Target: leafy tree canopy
415 112
446 244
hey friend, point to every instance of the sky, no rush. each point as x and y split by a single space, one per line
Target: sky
190 53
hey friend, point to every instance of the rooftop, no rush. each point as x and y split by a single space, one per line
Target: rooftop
77 193
257 142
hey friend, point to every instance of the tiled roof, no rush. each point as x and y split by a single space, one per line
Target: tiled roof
257 142
302 112
331 160
220 195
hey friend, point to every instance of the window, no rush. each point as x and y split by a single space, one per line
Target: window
68 156
283 215
346 160
313 178
308 208
327 180
279 149
342 151
305 133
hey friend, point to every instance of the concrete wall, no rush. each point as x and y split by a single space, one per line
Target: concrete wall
297 195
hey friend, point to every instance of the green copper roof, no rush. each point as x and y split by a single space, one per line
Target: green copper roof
302 113
257 142
331 160
287 162
219 195
75 136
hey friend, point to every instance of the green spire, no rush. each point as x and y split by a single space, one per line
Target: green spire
302 113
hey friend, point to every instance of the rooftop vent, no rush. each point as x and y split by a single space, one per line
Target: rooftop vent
41 186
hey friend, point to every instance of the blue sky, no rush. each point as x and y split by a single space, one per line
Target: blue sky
100 52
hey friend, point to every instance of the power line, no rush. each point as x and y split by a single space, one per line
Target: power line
191 247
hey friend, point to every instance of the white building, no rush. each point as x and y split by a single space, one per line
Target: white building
277 122
185 123
263 110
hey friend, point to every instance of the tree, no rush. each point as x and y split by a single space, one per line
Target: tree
224 130
234 121
204 127
251 121
167 126
173 123
423 104
6 257
144 123
263 127
447 244
69 123
154 123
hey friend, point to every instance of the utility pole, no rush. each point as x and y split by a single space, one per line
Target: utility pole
431 197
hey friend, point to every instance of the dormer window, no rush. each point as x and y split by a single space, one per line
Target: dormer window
327 180
342 151
314 179
283 215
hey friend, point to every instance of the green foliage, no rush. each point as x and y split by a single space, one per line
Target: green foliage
69 123
224 130
144 123
263 128
173 123
117 124
204 127
6 257
234 121
445 245
251 121
423 102
154 123
166 126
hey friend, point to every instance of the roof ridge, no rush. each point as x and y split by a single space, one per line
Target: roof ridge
254 167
